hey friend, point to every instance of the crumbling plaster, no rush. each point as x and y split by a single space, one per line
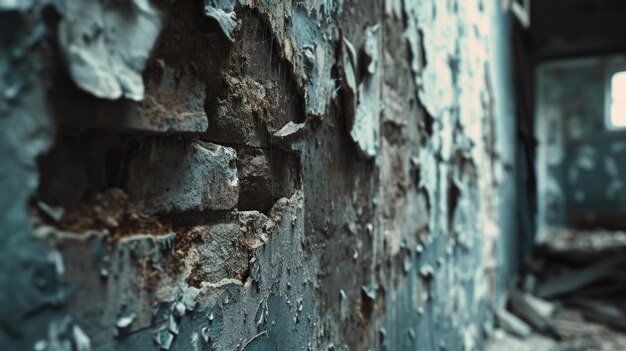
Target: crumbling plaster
394 180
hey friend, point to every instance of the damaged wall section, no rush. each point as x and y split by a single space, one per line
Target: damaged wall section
253 175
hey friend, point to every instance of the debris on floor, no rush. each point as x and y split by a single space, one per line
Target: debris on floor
571 298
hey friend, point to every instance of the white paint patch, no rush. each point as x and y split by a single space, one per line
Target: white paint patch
366 128
106 45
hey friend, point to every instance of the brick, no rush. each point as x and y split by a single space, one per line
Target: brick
176 176
217 253
265 176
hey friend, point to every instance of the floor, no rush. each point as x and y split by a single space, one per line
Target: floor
578 335
571 297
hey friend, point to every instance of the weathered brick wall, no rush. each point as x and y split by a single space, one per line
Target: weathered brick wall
253 175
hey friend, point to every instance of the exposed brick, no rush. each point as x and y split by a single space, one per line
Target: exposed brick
174 176
218 253
265 176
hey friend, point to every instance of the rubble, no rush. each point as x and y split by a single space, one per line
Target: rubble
109 211
511 324
580 243
568 282
521 305
580 308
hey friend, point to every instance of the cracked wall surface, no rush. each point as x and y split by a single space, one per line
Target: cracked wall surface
254 174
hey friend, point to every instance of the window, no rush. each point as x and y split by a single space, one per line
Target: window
617 101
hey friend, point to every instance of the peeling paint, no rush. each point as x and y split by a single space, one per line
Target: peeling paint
223 11
301 175
107 45
366 128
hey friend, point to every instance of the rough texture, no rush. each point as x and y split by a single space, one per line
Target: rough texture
175 176
264 177
340 177
174 103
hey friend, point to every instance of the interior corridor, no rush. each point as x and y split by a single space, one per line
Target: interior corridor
570 292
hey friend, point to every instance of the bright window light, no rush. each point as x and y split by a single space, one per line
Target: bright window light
617 109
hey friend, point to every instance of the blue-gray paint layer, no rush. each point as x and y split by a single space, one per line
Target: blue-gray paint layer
362 196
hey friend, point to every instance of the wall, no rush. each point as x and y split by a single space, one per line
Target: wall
581 161
254 175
